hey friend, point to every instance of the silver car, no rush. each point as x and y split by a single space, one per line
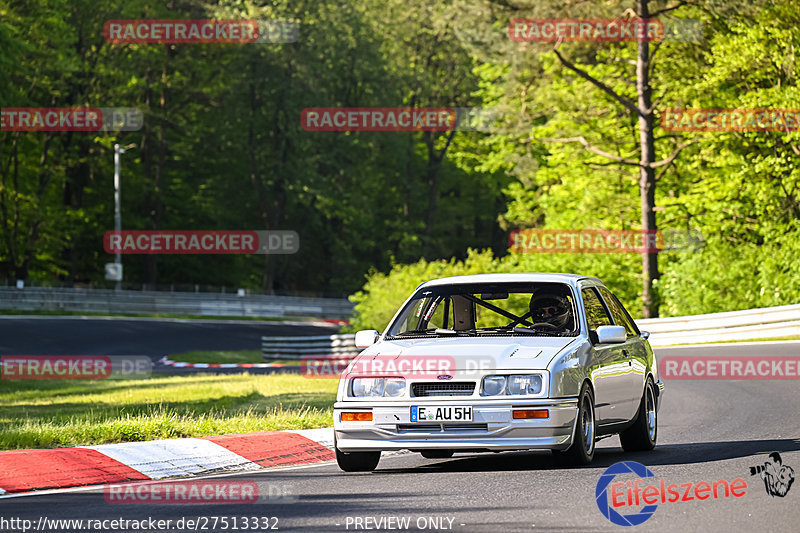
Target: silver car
499 362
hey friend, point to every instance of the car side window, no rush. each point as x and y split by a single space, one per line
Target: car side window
596 314
620 317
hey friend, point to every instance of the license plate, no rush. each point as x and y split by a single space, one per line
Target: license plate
459 413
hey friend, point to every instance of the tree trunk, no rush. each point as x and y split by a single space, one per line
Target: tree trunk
432 170
647 181
156 207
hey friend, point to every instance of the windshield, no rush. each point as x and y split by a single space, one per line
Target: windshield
546 309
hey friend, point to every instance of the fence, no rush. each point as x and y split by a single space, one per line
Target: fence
178 303
296 347
734 325
752 324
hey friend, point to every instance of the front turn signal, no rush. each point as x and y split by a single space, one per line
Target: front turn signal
357 417
531 413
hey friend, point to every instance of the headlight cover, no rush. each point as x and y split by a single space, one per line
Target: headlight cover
368 386
374 387
513 385
494 385
528 384
394 387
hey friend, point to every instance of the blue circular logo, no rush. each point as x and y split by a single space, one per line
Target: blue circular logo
601 494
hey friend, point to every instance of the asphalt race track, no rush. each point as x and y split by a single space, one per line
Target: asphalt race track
138 336
708 431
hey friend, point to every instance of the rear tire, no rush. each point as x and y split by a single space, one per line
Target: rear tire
581 452
437 454
642 435
356 461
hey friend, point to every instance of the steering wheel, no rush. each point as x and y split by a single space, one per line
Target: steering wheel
546 325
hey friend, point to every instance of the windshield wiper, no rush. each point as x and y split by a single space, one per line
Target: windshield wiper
534 331
429 331
434 331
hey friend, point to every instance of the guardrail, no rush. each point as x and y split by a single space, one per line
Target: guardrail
753 324
178 303
733 325
274 348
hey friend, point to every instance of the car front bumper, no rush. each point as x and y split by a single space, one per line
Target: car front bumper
492 427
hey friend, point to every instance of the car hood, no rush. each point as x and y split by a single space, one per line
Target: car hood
471 353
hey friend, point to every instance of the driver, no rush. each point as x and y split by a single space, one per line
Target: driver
551 309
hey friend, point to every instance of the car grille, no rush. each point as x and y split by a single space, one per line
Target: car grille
458 388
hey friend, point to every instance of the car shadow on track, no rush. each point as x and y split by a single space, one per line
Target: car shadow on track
698 452
664 454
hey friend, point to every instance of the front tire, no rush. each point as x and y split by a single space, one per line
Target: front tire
581 452
642 435
356 461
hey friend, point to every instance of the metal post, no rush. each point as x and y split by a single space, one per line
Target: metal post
117 210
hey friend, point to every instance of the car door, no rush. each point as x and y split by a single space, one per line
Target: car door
633 351
609 367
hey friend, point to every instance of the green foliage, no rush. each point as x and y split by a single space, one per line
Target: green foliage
739 190
223 148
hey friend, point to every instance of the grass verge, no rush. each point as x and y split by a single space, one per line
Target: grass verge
222 357
49 414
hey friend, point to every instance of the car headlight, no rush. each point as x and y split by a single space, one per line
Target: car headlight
494 385
378 387
525 384
368 386
514 385
394 387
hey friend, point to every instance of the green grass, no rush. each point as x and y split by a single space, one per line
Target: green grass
56 413
243 356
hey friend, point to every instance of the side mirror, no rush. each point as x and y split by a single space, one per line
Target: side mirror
645 335
366 338
611 335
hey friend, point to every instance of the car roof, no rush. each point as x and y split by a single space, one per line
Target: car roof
514 277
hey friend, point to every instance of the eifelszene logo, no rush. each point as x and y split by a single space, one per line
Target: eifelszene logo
601 494
778 477
613 495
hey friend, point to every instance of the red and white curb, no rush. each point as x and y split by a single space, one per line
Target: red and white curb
177 364
28 470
